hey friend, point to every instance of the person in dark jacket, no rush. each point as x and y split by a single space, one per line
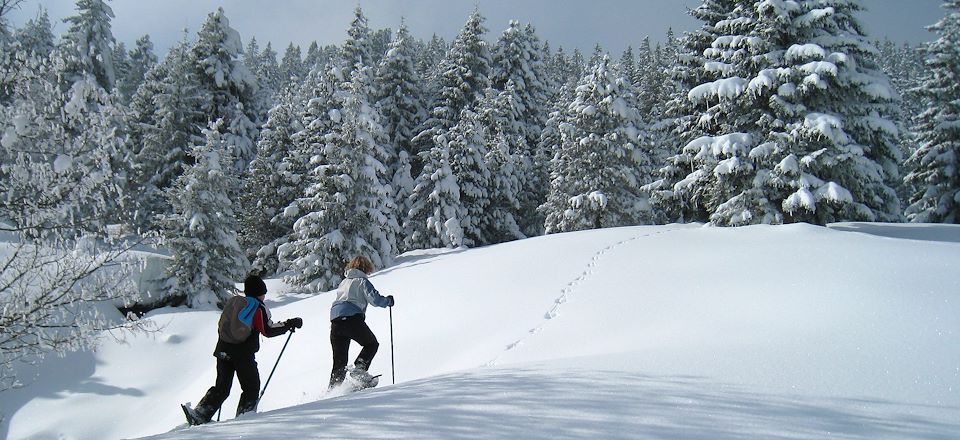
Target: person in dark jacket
241 358
347 322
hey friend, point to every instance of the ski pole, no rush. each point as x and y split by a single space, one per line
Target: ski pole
393 374
275 364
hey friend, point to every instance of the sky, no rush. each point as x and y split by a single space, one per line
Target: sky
614 24
679 331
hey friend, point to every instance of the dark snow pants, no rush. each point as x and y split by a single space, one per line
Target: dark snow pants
245 367
342 331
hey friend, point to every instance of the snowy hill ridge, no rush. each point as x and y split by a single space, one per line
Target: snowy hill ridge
676 331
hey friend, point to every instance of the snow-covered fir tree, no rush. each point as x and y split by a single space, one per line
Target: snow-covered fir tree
399 91
467 145
463 76
265 190
227 86
314 57
628 65
319 118
399 100
291 65
722 123
508 163
603 161
435 215
936 164
264 66
62 152
141 60
163 116
451 196
431 55
784 119
36 35
859 149
202 232
518 60
251 55
87 45
347 210
357 49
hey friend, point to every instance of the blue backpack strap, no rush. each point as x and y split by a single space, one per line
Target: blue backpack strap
247 313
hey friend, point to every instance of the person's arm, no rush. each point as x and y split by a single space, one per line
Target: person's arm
266 327
374 297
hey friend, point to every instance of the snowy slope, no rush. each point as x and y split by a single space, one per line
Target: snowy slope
676 331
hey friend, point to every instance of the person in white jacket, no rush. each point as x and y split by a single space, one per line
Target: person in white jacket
347 321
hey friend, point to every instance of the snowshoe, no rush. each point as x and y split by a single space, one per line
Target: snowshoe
194 417
362 380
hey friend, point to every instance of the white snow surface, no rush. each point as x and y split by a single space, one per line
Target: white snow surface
662 332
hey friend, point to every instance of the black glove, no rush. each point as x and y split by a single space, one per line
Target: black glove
391 301
294 323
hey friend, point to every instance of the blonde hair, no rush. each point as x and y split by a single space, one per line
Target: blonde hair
362 263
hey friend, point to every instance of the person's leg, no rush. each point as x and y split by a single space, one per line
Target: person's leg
218 392
249 378
340 343
361 333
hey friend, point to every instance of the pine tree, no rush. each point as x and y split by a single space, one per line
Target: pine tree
314 58
399 100
937 161
88 44
141 60
62 152
596 177
164 113
379 45
347 210
517 58
399 97
463 77
428 63
628 65
202 232
36 35
251 55
357 49
508 164
467 145
266 192
783 119
291 65
435 216
264 66
228 87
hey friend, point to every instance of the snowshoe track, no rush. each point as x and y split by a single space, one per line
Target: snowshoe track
570 289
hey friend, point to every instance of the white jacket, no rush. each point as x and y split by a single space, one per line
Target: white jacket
354 294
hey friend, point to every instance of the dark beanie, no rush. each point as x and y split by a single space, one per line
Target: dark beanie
254 286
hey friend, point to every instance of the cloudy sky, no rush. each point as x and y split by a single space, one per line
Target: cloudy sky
614 24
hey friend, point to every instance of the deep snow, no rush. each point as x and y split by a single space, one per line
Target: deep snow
676 331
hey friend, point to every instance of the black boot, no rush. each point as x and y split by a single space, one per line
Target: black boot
199 415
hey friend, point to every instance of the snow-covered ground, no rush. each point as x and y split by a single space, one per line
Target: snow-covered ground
676 331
